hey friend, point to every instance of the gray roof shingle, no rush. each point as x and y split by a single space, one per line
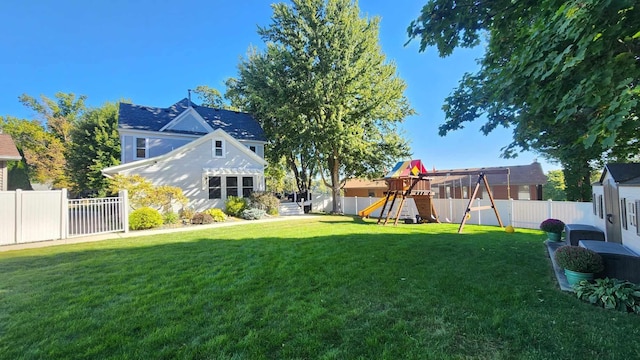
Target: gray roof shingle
628 174
241 126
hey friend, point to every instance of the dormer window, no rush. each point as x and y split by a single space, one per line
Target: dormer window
218 148
141 148
252 148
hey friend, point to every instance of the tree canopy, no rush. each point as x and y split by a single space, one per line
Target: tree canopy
44 140
95 145
326 96
562 74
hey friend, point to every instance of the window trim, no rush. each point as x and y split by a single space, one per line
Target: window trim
210 188
222 148
251 188
136 148
600 207
227 187
623 213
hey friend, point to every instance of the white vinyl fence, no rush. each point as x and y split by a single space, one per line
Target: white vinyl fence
519 213
30 216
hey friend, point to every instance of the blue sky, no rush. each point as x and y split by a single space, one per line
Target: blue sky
152 51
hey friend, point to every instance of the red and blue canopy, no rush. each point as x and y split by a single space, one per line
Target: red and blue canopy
406 169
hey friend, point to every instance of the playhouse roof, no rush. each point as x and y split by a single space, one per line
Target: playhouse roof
624 174
406 169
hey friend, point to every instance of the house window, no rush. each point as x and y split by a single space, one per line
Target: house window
215 187
232 186
623 213
635 210
247 186
141 148
600 207
632 214
372 193
252 148
595 202
218 148
524 193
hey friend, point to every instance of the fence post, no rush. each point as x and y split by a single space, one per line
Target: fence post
18 233
356 205
124 210
451 210
511 220
479 212
549 209
64 214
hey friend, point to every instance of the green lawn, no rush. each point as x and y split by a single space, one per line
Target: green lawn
324 288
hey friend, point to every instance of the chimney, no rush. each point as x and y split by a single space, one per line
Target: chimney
189 98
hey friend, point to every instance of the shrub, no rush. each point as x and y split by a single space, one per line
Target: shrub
265 201
186 213
144 218
253 214
201 218
142 193
235 205
170 218
217 214
610 294
552 226
576 258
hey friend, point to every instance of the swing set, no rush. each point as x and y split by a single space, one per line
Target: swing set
482 180
411 179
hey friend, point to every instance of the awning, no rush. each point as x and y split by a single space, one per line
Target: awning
231 171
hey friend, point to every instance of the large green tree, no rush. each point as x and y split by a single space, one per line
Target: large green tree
95 145
328 99
562 74
43 153
45 140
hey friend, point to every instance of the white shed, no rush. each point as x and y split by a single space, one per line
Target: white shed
616 200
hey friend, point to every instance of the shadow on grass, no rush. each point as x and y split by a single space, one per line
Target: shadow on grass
344 292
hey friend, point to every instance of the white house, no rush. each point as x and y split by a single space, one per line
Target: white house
616 201
209 153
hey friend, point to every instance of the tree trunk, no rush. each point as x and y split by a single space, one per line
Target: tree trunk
577 178
334 166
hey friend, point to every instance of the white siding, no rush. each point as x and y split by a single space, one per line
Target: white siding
630 237
185 170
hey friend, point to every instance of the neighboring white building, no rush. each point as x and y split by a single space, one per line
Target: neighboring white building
8 152
209 153
616 201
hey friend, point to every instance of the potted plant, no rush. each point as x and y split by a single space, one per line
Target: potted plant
553 228
579 263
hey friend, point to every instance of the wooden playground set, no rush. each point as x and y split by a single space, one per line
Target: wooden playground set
410 179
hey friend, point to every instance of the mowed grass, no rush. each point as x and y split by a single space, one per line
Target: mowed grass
323 288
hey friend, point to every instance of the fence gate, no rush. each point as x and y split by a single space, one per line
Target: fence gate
95 216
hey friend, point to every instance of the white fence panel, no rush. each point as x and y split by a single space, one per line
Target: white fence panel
30 216
321 203
41 215
572 212
519 213
7 217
